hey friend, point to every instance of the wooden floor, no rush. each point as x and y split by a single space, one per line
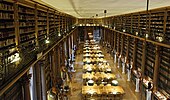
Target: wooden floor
76 84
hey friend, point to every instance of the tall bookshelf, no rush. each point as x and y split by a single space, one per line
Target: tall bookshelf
131 47
164 70
47 66
42 23
57 22
61 23
118 42
128 23
124 46
118 23
139 54
52 26
167 35
14 92
150 60
26 26
124 22
135 24
7 28
142 24
156 24
7 37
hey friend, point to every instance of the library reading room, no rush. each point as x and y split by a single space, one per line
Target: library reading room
84 49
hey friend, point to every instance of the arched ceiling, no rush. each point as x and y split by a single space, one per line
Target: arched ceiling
89 8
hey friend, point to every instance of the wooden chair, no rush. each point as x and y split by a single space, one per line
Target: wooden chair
84 83
104 96
111 96
118 96
87 96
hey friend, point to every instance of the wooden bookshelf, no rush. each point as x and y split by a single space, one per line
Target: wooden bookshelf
131 47
164 70
42 23
48 71
156 24
22 23
150 60
135 23
26 26
124 46
7 26
128 26
14 92
118 23
167 35
51 17
139 54
143 21
57 22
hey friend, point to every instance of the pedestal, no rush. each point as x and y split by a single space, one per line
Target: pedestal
137 85
148 94
123 68
129 75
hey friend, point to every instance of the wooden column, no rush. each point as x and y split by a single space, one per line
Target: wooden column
63 54
71 47
122 43
48 22
58 60
134 53
38 81
127 51
54 65
110 37
131 23
156 68
114 46
68 47
43 79
59 24
16 24
85 33
26 85
165 22
143 58
118 47
36 26
104 36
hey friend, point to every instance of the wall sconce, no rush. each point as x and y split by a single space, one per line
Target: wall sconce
147 35
136 33
14 58
124 30
59 34
47 41
160 39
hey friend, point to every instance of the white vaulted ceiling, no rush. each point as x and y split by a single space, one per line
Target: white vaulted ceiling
89 8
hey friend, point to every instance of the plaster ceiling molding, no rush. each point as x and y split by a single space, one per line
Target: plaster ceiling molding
89 8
